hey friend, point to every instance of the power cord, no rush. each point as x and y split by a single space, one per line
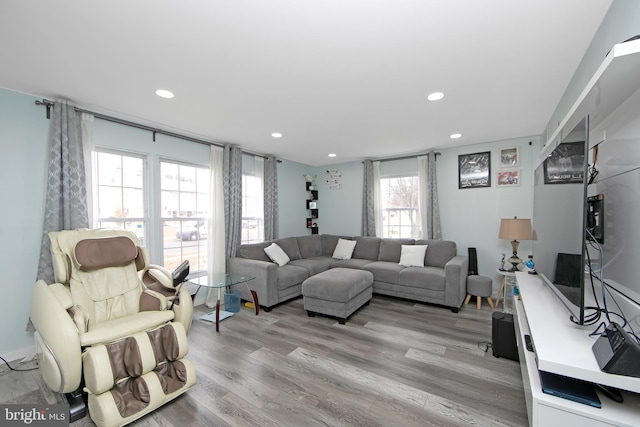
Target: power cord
11 368
487 345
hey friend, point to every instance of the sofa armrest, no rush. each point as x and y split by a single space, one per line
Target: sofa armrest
456 271
265 282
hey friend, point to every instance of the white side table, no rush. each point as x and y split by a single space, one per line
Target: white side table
503 285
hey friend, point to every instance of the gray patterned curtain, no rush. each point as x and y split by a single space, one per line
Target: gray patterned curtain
66 192
270 198
434 231
232 171
368 213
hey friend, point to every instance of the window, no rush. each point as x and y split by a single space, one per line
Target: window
252 209
400 207
119 202
184 198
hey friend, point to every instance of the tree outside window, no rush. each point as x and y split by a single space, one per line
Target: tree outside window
400 207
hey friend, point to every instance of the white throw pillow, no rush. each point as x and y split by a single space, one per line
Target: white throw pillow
276 254
344 249
413 255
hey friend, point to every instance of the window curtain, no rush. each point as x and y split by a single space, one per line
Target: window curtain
66 191
216 252
259 190
270 198
428 199
232 174
371 201
368 213
88 148
377 198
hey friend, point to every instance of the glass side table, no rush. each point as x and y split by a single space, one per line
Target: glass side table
222 281
502 292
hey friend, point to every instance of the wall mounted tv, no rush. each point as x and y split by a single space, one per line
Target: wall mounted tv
559 219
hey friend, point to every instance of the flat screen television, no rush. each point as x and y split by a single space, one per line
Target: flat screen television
559 219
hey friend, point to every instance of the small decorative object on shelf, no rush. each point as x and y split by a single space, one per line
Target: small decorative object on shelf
311 179
530 264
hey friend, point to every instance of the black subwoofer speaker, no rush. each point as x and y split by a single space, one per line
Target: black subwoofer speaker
504 336
473 262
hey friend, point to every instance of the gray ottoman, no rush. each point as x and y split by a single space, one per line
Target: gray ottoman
479 286
337 292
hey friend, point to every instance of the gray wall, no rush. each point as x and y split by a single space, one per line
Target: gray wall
23 140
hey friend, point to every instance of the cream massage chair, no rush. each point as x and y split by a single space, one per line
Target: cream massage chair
113 328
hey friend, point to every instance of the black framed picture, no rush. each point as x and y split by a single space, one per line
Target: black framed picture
565 165
474 170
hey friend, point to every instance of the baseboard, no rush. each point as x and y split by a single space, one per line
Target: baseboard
19 355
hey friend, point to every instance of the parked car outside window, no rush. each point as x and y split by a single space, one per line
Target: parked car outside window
193 230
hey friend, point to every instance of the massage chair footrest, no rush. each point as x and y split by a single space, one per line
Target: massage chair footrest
131 377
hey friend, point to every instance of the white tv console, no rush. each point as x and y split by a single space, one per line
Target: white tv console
564 348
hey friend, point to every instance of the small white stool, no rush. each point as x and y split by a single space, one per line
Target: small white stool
480 287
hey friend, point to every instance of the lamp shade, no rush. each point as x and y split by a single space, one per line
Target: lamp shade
515 229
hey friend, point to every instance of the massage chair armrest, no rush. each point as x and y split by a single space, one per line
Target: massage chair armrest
57 337
159 279
183 308
151 300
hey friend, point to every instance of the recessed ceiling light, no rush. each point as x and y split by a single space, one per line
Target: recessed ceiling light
435 96
331 154
455 135
164 93
276 135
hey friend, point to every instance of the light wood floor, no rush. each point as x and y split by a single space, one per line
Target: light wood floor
394 363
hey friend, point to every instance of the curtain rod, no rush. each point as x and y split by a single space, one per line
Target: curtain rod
47 103
388 159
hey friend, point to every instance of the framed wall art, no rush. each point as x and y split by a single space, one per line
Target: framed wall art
509 178
509 157
474 170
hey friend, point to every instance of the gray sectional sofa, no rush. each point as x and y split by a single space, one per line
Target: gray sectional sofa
441 281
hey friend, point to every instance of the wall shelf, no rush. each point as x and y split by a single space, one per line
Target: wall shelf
617 78
312 207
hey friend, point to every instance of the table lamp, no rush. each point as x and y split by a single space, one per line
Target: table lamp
515 229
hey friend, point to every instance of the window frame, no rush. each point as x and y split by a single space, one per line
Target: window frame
415 229
146 191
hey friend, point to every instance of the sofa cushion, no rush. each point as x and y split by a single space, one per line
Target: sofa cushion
350 263
276 254
313 265
439 253
344 249
367 247
432 278
254 251
290 246
413 255
390 249
310 246
290 275
384 271
329 242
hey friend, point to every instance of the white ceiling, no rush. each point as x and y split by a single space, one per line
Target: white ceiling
344 76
